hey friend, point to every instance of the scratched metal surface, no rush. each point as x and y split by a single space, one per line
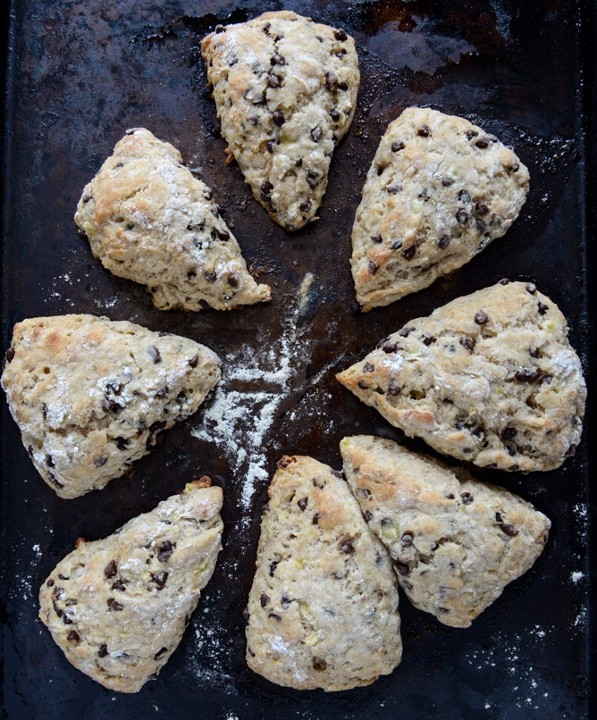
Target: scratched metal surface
78 75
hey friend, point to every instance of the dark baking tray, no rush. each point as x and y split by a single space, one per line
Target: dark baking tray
78 74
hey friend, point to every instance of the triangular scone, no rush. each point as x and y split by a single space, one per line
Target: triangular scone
118 607
323 607
148 219
89 395
455 542
440 189
285 90
490 378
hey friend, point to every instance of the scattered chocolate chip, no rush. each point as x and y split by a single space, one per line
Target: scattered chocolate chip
154 354
266 187
467 498
368 367
405 331
103 651
340 35
345 545
543 308
193 361
393 388
303 502
470 134
508 529
114 605
160 579
10 353
535 353
279 119
73 636
396 244
450 496
272 567
447 182
335 115
482 143
376 238
407 539
443 242
373 267
511 448
528 375
389 347
481 317
160 652
342 86
165 551
512 168
481 225
264 599
464 196
468 343
397 146
266 28
274 81
111 569
118 585
504 281
462 217
402 568
319 664
424 131
531 288
368 515
219 29
428 340
410 252
315 520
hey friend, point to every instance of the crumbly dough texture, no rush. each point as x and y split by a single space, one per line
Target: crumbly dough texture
285 90
323 607
118 607
148 219
455 542
490 378
439 190
89 395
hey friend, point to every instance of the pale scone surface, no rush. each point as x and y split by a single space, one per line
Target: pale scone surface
439 190
285 89
150 220
455 542
89 394
323 607
490 378
118 607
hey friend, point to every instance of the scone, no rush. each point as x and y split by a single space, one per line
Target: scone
285 90
323 607
89 395
455 542
439 190
490 378
149 220
118 607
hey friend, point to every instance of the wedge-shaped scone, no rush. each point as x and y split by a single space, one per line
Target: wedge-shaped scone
439 190
323 608
149 220
489 377
455 542
89 395
118 607
285 90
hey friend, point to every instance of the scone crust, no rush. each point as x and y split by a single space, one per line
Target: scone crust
118 607
148 219
490 378
455 542
89 394
439 190
323 607
285 90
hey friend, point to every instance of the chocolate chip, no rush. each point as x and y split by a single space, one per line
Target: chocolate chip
345 545
165 551
468 343
266 187
511 448
467 498
402 568
543 308
470 134
50 461
264 599
312 179
272 567
528 375
462 217
278 59
376 238
389 347
193 361
335 115
73 636
508 433
504 281
10 353
154 354
410 252
315 520
368 515
531 288
481 208
302 503
233 281
368 367
160 579
305 206
219 29
316 134
405 331
446 182
450 496
464 196
342 86
508 529
266 28
407 539
397 146
160 652
114 605
331 80
482 143
443 242
118 585
396 244
481 317
274 81
340 35
373 267
103 651
279 120
424 131
512 168
428 340
393 388
111 569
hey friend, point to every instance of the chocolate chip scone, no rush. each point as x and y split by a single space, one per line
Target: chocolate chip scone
439 190
455 542
89 394
323 607
148 219
285 90
490 378
118 607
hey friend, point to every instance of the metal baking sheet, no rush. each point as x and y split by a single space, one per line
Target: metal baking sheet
78 74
